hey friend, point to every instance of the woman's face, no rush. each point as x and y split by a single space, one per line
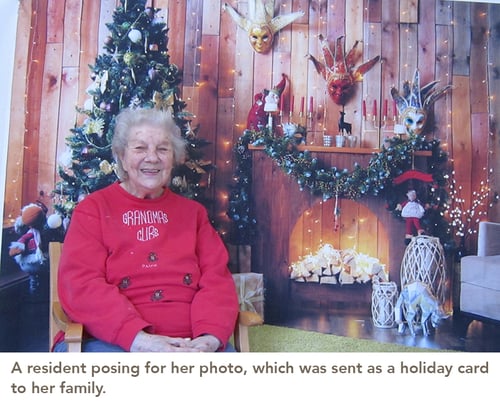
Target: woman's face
148 160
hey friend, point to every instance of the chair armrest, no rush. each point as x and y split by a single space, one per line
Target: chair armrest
246 319
73 332
488 241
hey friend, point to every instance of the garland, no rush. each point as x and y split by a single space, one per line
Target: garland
376 179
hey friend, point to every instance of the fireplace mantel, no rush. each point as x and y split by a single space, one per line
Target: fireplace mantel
333 149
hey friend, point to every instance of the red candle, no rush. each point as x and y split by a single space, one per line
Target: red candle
394 108
311 104
302 105
292 103
374 108
363 109
385 107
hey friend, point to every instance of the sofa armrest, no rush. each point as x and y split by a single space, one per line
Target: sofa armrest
488 241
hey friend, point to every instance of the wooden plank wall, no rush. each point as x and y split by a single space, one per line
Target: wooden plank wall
453 42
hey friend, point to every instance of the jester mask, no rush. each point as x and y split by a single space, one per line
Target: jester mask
338 69
261 25
414 103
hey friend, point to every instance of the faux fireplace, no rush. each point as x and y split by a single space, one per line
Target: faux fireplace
294 223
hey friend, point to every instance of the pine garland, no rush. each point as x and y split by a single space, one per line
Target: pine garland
376 179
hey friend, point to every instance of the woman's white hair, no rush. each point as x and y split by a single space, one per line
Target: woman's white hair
130 118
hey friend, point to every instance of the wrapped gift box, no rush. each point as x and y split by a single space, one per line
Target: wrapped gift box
250 289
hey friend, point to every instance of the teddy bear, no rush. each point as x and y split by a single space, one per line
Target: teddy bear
30 250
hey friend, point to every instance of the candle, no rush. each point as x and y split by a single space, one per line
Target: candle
374 108
292 102
282 101
394 109
311 104
385 108
302 105
363 109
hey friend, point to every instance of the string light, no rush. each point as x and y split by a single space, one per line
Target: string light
464 218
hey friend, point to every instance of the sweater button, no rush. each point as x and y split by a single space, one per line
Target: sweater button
187 279
157 295
124 283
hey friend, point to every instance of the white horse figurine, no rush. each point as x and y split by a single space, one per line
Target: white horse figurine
417 297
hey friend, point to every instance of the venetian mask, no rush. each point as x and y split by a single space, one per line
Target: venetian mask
261 25
261 38
340 88
338 69
414 120
414 103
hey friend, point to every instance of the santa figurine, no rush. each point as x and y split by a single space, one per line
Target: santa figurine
28 251
412 210
265 104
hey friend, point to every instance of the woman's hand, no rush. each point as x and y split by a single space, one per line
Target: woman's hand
205 343
146 342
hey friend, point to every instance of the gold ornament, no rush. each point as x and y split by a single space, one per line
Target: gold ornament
129 58
106 167
163 102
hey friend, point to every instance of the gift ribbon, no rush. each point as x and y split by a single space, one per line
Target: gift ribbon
247 298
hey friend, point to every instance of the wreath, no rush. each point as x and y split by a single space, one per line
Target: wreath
391 162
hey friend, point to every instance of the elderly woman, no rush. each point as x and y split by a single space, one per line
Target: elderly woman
142 268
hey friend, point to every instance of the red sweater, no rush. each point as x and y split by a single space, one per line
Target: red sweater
131 264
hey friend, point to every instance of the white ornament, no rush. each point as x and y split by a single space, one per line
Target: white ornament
54 221
65 159
135 36
88 105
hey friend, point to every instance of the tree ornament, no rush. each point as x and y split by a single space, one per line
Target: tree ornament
108 41
149 11
54 221
103 81
88 105
129 58
338 69
106 167
152 73
65 159
94 126
135 36
162 101
414 103
261 25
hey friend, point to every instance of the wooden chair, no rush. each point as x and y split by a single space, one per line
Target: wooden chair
58 319
74 331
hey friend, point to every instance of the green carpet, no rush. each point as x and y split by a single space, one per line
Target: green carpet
267 338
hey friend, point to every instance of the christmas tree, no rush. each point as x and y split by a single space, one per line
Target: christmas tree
133 71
